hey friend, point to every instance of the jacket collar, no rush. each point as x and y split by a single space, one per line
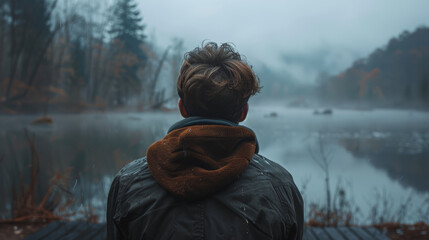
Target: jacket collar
195 120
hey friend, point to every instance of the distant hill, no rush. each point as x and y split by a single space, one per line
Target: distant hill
277 85
396 75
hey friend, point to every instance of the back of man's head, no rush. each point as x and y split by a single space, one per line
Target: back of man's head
216 82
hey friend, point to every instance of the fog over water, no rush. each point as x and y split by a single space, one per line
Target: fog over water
373 154
105 96
376 155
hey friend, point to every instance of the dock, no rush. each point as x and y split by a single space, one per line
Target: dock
91 231
344 233
70 231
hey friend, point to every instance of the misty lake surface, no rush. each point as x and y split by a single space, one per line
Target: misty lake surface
379 157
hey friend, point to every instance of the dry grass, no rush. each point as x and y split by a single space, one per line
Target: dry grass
52 206
340 210
25 208
398 231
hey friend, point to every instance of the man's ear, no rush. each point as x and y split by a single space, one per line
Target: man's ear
182 109
244 113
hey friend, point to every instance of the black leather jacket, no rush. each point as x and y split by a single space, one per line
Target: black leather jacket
263 203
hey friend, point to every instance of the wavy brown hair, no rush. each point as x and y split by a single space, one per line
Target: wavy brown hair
216 82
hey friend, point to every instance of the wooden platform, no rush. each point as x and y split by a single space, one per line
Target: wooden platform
344 233
85 231
70 231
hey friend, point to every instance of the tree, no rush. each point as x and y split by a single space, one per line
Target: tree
394 75
2 34
81 48
127 38
127 27
76 75
30 35
176 61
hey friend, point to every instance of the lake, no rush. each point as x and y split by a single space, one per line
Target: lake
378 160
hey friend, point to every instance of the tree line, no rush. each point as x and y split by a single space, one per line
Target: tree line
74 55
395 75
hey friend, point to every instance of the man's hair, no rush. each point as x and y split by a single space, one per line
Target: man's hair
216 82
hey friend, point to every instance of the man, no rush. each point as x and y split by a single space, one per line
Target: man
205 178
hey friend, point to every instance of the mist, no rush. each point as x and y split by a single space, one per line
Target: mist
301 38
87 86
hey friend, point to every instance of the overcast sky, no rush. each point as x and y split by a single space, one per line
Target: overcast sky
300 37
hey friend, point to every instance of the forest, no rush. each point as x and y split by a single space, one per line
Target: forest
396 75
68 56
72 56
355 140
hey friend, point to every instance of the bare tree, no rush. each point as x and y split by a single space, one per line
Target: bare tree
175 61
152 95
323 156
2 34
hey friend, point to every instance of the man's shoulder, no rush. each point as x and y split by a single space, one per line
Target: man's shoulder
263 179
135 180
268 170
133 168
135 172
265 194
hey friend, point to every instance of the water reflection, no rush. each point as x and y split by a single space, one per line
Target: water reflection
96 146
403 156
375 151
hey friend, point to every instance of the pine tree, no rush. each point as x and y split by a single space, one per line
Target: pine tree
30 35
127 27
128 56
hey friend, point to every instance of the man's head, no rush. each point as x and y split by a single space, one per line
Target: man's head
215 82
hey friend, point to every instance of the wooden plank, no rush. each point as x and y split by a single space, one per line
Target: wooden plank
89 232
361 233
348 234
82 229
99 231
41 234
101 234
334 233
60 233
321 234
376 234
85 231
309 235
306 235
